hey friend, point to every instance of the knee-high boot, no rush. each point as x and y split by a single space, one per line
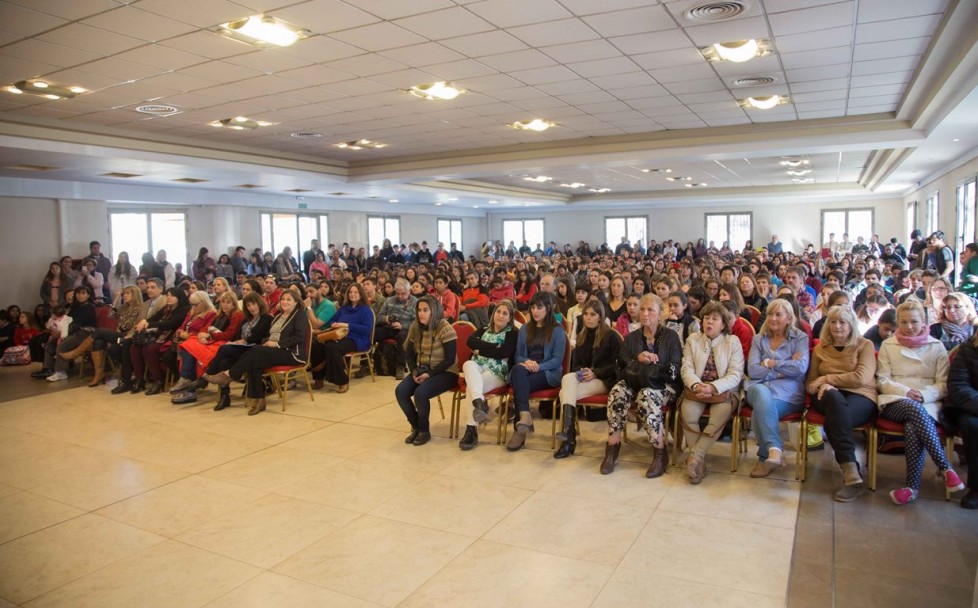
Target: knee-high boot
98 360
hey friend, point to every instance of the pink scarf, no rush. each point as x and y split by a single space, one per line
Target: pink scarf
913 341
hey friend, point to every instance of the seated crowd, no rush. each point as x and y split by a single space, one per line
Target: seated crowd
851 336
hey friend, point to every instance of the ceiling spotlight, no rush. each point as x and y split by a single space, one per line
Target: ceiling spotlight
44 89
764 102
393 200
361 144
439 204
798 172
656 170
794 162
699 185
261 30
736 52
240 123
436 90
680 179
599 190
538 179
452 199
956 139
537 124
574 185
493 202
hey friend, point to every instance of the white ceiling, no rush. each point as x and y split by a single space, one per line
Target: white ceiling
620 72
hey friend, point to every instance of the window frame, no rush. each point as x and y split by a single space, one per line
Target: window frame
913 207
450 220
153 247
384 217
323 241
963 213
932 209
523 222
733 246
631 240
822 237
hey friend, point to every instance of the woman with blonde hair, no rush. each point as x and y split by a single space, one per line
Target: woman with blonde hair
956 323
842 381
104 338
776 368
712 368
912 379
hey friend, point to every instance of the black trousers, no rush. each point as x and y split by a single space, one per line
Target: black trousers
335 370
36 346
968 428
843 412
386 332
224 358
254 362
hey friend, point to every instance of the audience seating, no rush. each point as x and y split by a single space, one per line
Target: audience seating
281 374
547 394
358 355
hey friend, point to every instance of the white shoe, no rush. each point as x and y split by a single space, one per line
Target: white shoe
56 376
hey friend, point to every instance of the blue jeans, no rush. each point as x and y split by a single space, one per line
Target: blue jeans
418 411
767 412
525 382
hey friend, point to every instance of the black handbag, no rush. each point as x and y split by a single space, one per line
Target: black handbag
142 338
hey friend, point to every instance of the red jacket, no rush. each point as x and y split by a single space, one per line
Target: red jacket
474 297
523 297
502 293
449 303
744 333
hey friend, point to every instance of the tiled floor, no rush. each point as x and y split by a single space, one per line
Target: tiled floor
130 501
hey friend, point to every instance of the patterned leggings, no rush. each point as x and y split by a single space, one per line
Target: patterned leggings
919 433
650 403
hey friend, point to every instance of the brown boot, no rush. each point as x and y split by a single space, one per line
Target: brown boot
257 407
660 460
610 458
98 360
84 347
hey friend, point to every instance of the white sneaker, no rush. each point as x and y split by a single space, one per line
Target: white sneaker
56 376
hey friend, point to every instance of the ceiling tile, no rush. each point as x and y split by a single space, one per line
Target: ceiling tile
633 21
888 89
220 72
641 92
492 82
604 67
447 23
858 102
882 79
897 29
735 29
577 99
194 12
683 73
161 57
812 19
455 70
556 73
422 54
137 23
71 11
666 59
883 10
386 9
891 48
124 70
821 39
378 37
819 85
29 22
691 99
365 65
45 52
403 79
507 62
713 106
819 96
581 51
882 66
318 49
643 43
324 16
511 13
780 6
809 59
88 80
91 39
209 44
696 85
568 87
820 73
554 33
486 43
628 80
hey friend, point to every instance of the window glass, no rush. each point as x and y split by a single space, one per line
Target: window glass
129 234
169 232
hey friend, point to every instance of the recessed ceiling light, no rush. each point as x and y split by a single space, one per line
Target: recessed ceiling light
190 180
574 185
261 30
803 180
249 186
956 139
656 170
121 175
31 168
493 202
680 179
44 89
526 204
439 204
599 190
240 123
794 162
298 190
537 124
158 109
736 52
361 144
538 179
798 172
699 185
475 206
763 102
436 90
393 200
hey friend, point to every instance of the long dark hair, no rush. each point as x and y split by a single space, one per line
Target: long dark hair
121 269
253 297
602 330
543 334
437 316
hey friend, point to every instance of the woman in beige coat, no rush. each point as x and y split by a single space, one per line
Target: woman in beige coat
713 366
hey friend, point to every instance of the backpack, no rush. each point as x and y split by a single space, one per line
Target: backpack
16 355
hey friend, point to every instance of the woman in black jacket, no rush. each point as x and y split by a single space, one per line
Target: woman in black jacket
960 411
492 357
158 330
254 331
648 375
287 344
592 370
79 339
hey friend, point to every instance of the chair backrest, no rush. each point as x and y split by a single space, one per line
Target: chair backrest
309 339
567 358
373 325
755 316
463 329
103 320
520 316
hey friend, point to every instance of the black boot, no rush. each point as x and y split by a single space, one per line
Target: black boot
42 374
470 439
138 387
569 445
610 458
156 389
568 420
122 387
224 400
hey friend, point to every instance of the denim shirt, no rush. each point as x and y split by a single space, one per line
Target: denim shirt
786 380
553 354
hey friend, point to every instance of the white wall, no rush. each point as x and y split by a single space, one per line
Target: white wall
795 224
946 186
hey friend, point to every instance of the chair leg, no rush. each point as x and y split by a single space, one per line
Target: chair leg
441 406
801 467
553 423
948 453
735 444
308 380
370 366
677 437
501 422
872 456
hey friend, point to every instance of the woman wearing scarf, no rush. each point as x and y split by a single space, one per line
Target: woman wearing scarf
912 379
956 322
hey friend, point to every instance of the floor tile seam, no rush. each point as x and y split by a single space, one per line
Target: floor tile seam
58 523
969 587
597 500
723 518
735 584
639 573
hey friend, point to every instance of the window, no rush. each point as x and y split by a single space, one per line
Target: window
632 228
138 232
380 227
931 209
517 231
734 228
911 217
966 214
281 230
450 231
854 222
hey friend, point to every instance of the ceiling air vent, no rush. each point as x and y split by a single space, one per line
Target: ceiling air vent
248 186
754 81
190 180
717 11
121 175
157 109
298 190
32 168
306 135
338 193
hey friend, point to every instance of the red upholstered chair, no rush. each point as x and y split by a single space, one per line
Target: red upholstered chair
281 374
350 357
547 394
755 316
463 330
812 417
741 427
883 426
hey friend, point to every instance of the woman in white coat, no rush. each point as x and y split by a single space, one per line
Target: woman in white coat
912 377
713 366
